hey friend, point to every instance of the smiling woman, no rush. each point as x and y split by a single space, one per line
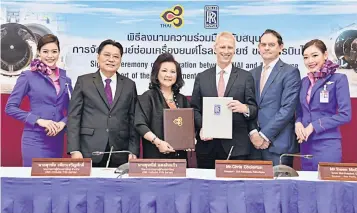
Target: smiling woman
325 105
48 89
166 82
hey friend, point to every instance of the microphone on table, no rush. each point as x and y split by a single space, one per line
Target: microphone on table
110 154
113 152
286 171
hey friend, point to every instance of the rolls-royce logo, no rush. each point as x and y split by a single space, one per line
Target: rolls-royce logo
178 121
173 16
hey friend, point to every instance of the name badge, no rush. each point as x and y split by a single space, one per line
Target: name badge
324 95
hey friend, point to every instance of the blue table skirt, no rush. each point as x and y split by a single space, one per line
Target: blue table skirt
99 195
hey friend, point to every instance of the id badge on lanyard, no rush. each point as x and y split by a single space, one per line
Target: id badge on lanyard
324 95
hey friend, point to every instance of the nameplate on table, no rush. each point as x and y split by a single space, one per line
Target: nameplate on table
61 167
337 171
244 169
157 168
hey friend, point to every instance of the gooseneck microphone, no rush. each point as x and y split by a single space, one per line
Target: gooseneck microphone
113 152
110 153
294 155
286 171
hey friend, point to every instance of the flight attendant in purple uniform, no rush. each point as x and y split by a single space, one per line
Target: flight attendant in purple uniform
48 89
325 105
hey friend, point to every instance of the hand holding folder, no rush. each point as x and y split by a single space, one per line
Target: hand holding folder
179 129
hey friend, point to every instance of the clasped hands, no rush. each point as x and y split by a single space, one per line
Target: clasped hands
258 141
303 133
52 128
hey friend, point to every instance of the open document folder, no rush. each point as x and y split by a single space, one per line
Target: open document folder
217 118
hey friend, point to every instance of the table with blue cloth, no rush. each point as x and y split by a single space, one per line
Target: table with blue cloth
199 192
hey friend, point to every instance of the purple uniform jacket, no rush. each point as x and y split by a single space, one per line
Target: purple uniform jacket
325 117
44 101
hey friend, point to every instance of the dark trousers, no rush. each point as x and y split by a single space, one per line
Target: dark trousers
115 161
207 161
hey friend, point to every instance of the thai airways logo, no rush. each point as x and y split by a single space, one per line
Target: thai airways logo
178 121
211 17
173 17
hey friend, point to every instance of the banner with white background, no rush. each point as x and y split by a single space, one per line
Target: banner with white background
145 30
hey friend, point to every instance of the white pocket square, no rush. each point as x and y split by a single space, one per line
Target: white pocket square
330 82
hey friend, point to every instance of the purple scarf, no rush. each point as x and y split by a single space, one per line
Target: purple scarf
38 65
327 68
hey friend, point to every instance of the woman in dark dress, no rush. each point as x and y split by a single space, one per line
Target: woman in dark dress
166 82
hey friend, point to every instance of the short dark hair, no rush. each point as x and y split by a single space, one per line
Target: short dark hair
110 42
276 34
154 81
48 38
317 43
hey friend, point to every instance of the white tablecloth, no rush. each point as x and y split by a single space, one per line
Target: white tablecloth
208 174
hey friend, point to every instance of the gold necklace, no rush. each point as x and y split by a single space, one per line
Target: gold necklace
170 100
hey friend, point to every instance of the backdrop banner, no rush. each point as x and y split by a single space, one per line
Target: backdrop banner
185 29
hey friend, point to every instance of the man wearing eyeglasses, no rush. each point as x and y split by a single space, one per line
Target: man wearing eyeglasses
277 88
101 111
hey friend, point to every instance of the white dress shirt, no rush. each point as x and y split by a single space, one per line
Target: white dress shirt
270 69
113 83
227 73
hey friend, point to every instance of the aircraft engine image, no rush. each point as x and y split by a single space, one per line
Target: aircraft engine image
344 47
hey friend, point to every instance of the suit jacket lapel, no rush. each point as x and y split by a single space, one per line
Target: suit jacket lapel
162 100
213 82
97 80
304 87
258 74
232 78
48 79
271 78
118 90
62 82
318 84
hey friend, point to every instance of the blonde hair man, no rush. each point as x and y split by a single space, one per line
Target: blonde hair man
224 80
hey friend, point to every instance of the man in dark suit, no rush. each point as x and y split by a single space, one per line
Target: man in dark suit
101 111
277 91
224 80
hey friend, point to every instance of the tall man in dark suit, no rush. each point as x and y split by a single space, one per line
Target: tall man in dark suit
277 91
225 80
101 111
